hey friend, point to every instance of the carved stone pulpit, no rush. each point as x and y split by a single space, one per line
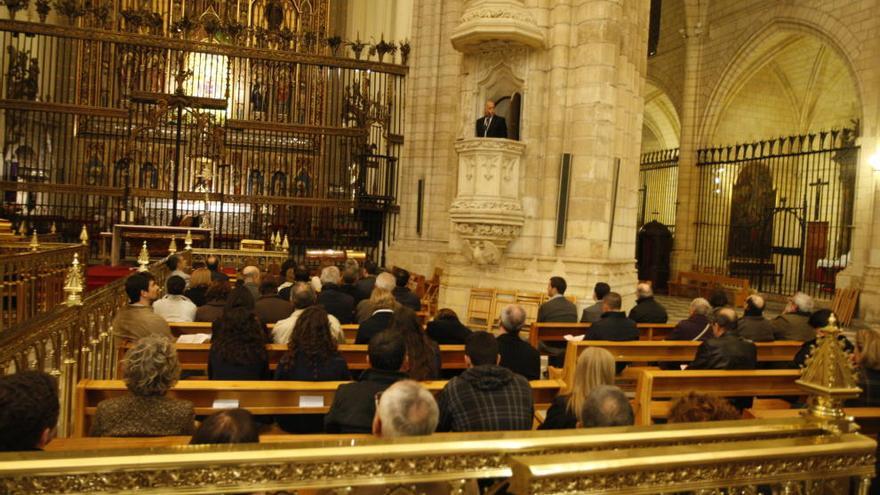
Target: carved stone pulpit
487 212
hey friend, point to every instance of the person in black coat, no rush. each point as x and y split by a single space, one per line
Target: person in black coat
334 300
614 325
383 311
725 350
402 293
647 310
447 329
517 355
364 286
354 404
491 125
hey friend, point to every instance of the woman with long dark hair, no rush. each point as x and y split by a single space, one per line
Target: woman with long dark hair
423 353
238 348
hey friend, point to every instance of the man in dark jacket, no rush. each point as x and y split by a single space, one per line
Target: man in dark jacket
402 293
557 309
725 351
336 302
647 310
270 308
364 286
696 326
447 329
753 326
517 355
380 320
354 404
614 325
592 314
213 264
486 397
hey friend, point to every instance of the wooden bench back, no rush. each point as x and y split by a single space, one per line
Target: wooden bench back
259 397
556 332
705 283
178 329
106 443
652 385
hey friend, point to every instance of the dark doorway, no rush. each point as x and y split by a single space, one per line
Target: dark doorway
653 250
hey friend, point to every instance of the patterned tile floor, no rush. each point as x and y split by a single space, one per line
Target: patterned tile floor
677 308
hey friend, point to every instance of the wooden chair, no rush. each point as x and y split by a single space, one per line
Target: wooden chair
530 302
480 306
844 305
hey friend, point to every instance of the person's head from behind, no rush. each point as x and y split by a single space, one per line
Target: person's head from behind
754 305
370 268
269 287
201 277
821 318
387 351
446 314
700 307
407 322
799 303
718 298
480 349
240 297
330 275
303 295
217 291
301 273
600 290
229 426
175 285
385 281
141 288
151 367
405 409
595 367
401 277
513 317
251 275
644 291
174 262
311 336
557 286
606 406
868 349
696 407
213 262
28 410
723 321
350 275
382 299
611 302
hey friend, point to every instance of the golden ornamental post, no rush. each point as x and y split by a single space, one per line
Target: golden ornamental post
22 228
35 242
73 283
172 246
143 258
53 229
285 245
84 236
188 241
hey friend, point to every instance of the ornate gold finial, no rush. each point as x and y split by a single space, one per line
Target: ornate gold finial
285 245
144 258
35 242
276 240
22 228
52 229
84 236
188 241
829 376
172 246
73 283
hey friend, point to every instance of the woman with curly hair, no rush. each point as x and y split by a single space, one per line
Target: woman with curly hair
239 304
216 300
423 353
150 369
312 356
697 408
238 348
595 367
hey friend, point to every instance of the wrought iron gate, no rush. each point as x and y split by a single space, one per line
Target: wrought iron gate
778 212
658 187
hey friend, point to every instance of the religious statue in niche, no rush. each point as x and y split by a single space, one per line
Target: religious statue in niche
274 13
22 76
255 182
148 176
751 213
155 71
94 166
282 94
302 182
278 186
259 96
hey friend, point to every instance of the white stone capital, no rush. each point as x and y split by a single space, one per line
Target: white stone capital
487 22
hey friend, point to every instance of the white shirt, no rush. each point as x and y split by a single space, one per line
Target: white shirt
283 329
175 308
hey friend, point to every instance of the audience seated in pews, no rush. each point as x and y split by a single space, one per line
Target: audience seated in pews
216 296
238 346
224 427
485 397
349 278
818 321
447 329
867 358
198 286
384 281
177 267
422 353
312 356
516 354
383 305
29 410
647 309
753 326
606 405
592 314
557 309
595 367
353 405
725 350
364 286
793 323
174 306
213 264
614 325
697 408
269 307
402 293
252 277
150 368
696 326
137 319
303 297
334 300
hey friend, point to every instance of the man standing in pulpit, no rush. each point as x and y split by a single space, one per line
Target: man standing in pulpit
491 125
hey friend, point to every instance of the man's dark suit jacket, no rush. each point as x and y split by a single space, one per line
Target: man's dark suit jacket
518 356
337 303
614 325
354 404
448 332
497 127
647 310
592 313
364 288
407 298
727 352
558 310
373 325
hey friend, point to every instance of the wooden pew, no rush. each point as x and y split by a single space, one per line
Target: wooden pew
668 351
350 330
178 329
653 385
259 397
866 417
105 443
556 332
194 357
696 284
